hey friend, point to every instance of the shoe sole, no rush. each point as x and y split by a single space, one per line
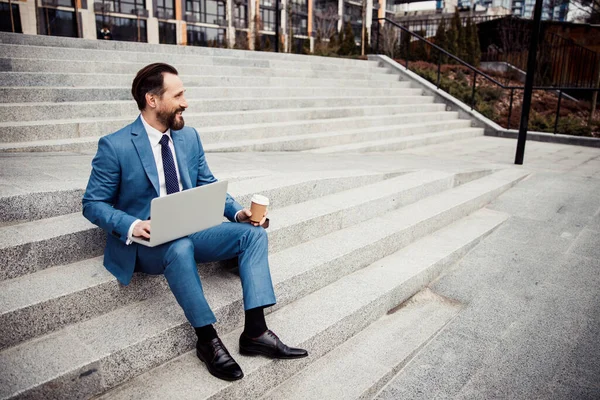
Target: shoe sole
216 374
258 352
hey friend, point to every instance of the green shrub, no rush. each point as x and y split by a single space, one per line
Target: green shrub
572 126
487 110
489 93
539 122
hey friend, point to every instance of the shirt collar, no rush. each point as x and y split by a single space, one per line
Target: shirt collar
154 134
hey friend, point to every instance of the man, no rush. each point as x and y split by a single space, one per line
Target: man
105 33
156 156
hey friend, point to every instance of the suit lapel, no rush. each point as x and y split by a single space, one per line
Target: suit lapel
144 150
180 154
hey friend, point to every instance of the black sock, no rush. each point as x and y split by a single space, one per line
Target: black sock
206 333
255 324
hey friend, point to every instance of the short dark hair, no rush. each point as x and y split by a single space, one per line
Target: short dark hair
150 79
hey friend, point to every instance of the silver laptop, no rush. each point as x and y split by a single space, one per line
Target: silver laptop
186 212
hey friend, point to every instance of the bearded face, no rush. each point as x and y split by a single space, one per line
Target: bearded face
170 104
172 118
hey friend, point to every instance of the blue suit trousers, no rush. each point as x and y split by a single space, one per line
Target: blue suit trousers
177 261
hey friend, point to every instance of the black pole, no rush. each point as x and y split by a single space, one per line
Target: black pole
407 49
512 92
277 17
531 61
439 67
378 34
473 93
560 93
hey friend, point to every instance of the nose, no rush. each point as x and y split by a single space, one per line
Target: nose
184 103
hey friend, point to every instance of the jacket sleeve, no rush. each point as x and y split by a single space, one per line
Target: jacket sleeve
102 191
205 176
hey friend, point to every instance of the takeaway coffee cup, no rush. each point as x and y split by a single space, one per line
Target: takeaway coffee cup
258 208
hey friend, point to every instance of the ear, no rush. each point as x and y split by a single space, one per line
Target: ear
151 100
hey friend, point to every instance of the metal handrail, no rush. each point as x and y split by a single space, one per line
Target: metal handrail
477 71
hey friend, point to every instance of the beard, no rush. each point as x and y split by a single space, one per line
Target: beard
169 118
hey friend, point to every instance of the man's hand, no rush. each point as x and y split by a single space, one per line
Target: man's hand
245 214
142 229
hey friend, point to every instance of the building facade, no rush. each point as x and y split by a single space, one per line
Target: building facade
552 10
218 23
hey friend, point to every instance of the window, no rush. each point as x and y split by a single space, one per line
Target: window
300 24
353 14
202 36
207 11
300 17
300 6
57 22
5 24
267 15
240 12
165 9
167 33
125 6
58 3
125 29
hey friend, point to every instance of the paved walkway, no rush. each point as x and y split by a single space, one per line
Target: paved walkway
530 328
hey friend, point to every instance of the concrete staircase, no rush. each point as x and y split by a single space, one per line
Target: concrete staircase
59 94
351 251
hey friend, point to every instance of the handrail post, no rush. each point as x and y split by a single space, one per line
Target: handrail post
407 49
378 35
512 92
473 92
560 93
439 68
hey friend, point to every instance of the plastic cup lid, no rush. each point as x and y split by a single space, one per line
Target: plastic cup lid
262 200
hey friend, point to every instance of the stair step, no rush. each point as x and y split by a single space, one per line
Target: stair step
93 109
401 143
72 79
362 365
156 330
92 67
231 133
344 307
41 198
66 94
18 131
32 246
334 138
146 53
23 301
214 136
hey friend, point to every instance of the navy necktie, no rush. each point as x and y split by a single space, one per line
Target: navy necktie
171 181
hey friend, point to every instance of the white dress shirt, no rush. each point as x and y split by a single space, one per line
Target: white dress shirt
154 135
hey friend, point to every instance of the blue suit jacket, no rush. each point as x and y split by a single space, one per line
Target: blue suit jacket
124 180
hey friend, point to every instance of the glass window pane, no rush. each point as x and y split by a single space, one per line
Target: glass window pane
5 24
125 29
167 33
57 22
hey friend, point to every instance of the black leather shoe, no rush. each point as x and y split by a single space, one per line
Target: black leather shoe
268 344
218 360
